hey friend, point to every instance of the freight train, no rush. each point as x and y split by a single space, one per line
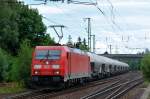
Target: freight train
57 65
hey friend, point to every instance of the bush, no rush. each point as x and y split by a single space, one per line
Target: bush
21 64
4 65
145 67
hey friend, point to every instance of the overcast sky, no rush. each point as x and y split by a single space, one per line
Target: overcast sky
125 25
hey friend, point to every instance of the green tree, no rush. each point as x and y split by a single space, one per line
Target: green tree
8 31
18 23
83 45
3 64
84 42
31 26
22 63
145 66
78 43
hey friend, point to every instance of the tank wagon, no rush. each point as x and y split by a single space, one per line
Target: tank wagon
57 65
103 67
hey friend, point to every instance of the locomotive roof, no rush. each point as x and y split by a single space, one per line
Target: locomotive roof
68 49
49 47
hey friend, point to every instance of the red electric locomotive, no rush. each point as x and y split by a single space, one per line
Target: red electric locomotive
59 64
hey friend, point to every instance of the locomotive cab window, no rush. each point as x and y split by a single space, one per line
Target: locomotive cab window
47 54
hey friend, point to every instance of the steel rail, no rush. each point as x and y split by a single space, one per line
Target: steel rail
107 89
92 84
38 94
126 90
115 93
28 94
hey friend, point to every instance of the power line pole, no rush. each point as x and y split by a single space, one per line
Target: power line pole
89 33
69 43
93 42
69 38
110 47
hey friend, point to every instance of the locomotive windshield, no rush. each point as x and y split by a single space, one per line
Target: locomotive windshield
48 54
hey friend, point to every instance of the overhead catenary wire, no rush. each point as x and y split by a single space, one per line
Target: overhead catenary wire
67 28
112 13
112 19
93 3
112 10
113 23
49 20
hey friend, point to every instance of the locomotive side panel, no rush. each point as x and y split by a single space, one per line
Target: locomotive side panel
79 66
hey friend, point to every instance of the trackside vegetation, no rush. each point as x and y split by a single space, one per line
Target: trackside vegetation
145 67
21 30
22 63
14 87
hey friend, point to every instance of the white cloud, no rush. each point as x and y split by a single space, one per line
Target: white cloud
100 45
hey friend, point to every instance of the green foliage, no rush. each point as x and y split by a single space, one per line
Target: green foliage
83 47
21 66
81 44
145 66
8 31
18 23
3 64
134 65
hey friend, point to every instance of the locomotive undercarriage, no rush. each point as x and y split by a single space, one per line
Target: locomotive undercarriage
47 80
56 81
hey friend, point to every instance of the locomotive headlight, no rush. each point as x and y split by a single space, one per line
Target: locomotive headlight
37 66
55 66
47 62
56 72
36 72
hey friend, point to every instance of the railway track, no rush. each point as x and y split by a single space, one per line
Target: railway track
115 82
53 94
114 91
47 92
28 94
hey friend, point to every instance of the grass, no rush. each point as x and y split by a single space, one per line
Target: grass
145 84
12 88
